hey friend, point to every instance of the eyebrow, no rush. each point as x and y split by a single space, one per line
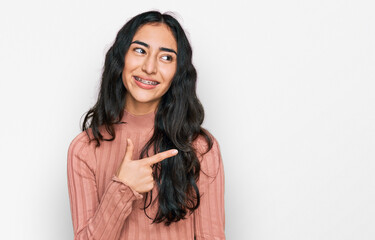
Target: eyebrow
148 46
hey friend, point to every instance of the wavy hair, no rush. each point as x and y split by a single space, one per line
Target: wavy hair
177 124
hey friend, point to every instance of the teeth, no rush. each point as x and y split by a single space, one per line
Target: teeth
146 81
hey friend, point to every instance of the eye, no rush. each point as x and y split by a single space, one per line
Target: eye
139 50
167 58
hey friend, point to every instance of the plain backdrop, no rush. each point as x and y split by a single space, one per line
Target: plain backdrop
288 88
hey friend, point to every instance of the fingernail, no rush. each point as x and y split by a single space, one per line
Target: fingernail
175 151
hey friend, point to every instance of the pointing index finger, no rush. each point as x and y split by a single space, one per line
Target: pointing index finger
161 156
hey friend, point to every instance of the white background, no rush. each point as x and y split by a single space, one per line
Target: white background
288 88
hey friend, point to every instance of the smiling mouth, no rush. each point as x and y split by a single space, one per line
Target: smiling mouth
148 82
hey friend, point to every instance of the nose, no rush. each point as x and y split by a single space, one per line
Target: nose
149 65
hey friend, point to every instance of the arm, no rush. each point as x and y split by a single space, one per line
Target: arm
209 218
95 218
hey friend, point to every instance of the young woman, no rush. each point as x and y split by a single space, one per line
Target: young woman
143 167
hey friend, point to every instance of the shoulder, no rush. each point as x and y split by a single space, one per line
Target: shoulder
206 144
82 150
209 158
80 144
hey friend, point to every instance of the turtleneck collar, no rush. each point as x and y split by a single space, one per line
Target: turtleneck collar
145 121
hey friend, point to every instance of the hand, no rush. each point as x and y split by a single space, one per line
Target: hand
137 174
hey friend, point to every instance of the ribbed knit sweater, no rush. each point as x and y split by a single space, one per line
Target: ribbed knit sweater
105 208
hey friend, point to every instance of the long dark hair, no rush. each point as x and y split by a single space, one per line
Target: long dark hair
178 120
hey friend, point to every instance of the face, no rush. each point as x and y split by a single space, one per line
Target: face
150 65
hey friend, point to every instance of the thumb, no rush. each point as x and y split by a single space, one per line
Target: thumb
129 150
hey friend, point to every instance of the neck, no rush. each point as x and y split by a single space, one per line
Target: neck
139 108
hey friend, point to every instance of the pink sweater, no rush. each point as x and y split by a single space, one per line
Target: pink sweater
105 208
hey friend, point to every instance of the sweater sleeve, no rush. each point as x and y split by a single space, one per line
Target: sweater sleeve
209 218
95 218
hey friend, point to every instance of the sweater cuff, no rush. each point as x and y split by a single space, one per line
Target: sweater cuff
136 194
